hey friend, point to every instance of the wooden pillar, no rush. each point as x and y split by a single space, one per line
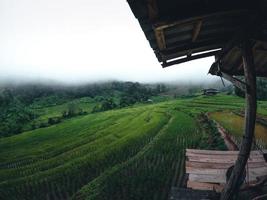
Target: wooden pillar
233 185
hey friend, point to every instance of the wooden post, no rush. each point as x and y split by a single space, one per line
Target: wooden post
233 185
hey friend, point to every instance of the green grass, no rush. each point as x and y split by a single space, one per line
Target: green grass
43 113
131 153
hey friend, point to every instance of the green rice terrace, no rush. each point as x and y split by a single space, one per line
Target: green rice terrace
135 152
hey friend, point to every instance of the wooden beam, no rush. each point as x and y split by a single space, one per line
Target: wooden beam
189 58
196 30
215 41
236 82
232 186
159 34
195 34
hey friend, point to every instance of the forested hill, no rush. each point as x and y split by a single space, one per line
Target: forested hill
30 106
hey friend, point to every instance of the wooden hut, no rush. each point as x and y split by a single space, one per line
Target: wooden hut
210 91
234 31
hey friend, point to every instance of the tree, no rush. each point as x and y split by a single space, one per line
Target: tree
106 104
72 110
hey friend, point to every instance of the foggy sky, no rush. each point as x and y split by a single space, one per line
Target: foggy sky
82 41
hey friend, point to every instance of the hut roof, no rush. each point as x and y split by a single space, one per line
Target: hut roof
184 30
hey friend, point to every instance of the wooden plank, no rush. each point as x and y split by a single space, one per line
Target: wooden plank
259 171
204 186
219 165
208 178
224 160
194 170
211 152
218 156
221 178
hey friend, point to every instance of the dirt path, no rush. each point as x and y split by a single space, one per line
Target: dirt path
227 138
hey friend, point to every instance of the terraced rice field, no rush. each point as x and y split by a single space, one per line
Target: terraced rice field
131 153
234 124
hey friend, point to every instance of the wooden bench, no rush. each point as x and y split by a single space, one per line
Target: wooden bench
207 169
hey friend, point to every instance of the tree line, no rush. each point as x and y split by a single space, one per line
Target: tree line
17 103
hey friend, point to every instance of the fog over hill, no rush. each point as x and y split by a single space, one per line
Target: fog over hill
87 41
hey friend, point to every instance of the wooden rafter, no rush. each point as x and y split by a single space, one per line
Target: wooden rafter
195 34
196 30
236 82
159 34
189 58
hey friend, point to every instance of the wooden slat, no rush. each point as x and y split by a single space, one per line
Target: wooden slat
194 170
221 178
219 165
218 156
204 186
259 171
222 160
212 152
207 169
208 178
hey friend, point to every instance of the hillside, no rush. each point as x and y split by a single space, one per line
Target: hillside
135 152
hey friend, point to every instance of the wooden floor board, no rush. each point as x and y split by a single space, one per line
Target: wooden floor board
207 169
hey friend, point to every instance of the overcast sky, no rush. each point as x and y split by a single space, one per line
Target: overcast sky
81 40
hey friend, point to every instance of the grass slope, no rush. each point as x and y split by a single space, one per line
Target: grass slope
151 172
77 150
130 153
